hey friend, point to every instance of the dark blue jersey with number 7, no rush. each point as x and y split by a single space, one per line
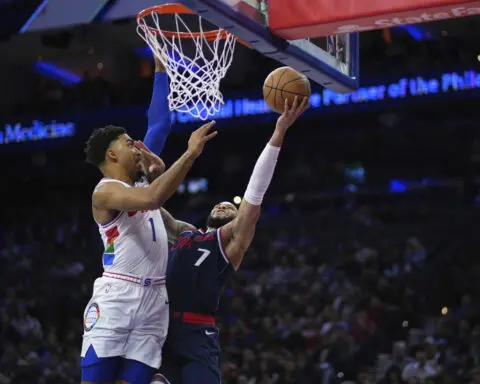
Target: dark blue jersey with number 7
197 270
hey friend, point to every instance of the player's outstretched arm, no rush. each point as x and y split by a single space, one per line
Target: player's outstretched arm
237 235
159 124
116 197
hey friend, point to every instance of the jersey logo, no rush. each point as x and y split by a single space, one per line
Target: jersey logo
147 282
208 333
112 235
91 317
187 242
109 253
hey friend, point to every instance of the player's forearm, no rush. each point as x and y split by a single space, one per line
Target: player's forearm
238 235
166 184
277 138
159 124
184 226
263 172
173 226
264 167
246 222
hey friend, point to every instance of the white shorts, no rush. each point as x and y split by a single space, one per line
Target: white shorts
127 316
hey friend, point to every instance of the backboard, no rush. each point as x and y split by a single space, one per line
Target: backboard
329 61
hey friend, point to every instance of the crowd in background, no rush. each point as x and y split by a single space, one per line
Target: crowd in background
347 294
337 286
379 289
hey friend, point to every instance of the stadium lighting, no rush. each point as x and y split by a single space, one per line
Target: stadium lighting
237 200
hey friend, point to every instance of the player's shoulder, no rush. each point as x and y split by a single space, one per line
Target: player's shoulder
104 190
106 184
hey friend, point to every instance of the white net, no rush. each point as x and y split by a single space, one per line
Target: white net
194 80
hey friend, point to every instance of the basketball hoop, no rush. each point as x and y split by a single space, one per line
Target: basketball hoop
194 79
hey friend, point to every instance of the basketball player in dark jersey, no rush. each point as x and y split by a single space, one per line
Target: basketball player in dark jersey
199 264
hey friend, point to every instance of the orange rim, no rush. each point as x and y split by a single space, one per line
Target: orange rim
168 9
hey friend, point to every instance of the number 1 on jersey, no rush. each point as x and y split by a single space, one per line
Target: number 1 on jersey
154 237
203 256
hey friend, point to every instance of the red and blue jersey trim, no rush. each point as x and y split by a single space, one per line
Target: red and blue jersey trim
220 246
113 221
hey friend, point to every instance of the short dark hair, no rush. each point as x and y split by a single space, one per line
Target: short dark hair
99 141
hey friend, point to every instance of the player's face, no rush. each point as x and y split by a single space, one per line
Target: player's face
221 214
129 156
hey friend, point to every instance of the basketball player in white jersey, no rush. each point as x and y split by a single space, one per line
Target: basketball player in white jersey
126 320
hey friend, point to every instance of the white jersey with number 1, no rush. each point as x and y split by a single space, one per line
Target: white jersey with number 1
135 243
127 315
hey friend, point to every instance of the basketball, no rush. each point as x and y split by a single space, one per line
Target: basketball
285 83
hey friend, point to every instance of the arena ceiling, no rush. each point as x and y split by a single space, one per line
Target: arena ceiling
119 38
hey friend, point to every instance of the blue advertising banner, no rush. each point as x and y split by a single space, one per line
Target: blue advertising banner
404 88
37 130
76 128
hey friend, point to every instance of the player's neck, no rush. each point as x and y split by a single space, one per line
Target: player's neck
117 174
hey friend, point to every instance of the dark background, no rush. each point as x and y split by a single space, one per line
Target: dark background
369 232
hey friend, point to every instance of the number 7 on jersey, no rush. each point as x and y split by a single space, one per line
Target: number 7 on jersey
203 256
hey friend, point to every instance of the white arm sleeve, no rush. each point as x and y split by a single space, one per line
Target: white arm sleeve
262 175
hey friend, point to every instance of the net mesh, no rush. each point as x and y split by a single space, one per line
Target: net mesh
194 80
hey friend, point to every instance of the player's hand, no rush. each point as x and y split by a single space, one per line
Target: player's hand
152 163
198 138
291 114
159 67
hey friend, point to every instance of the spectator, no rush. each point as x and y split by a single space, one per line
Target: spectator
398 358
419 369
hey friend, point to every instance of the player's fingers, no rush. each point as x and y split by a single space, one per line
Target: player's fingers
205 128
210 136
146 154
164 52
304 106
153 168
286 108
305 103
199 129
140 149
294 105
141 143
